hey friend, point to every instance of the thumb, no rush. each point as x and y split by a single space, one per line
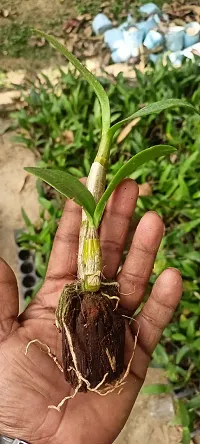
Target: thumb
9 301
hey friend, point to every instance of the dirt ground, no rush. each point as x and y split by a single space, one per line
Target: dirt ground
149 421
17 17
17 190
35 12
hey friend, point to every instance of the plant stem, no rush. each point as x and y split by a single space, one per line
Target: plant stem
104 151
89 255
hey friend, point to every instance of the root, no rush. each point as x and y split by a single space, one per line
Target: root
95 389
128 294
112 297
34 341
119 384
113 284
80 377
61 403
112 361
108 284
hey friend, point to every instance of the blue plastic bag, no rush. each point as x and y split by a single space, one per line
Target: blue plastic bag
153 39
192 34
175 38
149 8
101 23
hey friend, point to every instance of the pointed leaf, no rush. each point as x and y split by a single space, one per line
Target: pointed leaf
156 389
194 403
156 107
67 185
125 171
91 79
186 436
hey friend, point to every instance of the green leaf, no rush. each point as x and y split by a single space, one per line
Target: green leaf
183 414
156 107
191 328
186 227
67 185
26 218
194 403
98 88
178 337
156 389
125 171
40 266
196 344
186 438
23 140
181 353
160 356
28 222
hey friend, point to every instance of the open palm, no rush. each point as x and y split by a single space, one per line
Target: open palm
30 383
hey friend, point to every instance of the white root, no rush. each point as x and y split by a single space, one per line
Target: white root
108 284
61 403
34 341
128 294
112 297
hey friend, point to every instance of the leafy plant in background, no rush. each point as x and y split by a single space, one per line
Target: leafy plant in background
175 185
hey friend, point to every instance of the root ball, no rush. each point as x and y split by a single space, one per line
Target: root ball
93 336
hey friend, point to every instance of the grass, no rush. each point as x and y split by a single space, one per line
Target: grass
15 41
62 123
96 6
112 7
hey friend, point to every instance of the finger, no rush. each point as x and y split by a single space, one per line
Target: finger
138 266
114 228
9 300
155 316
63 260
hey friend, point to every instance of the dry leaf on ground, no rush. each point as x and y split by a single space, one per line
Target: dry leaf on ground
5 12
68 136
127 129
87 31
145 189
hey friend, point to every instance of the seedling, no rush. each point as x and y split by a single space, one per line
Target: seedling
92 325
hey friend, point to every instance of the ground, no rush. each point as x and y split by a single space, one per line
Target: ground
17 190
16 20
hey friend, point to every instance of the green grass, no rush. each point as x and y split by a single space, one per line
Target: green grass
113 7
13 39
62 123
16 40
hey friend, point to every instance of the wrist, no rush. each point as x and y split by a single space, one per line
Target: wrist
6 440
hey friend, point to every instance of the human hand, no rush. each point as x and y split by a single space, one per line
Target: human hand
30 383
